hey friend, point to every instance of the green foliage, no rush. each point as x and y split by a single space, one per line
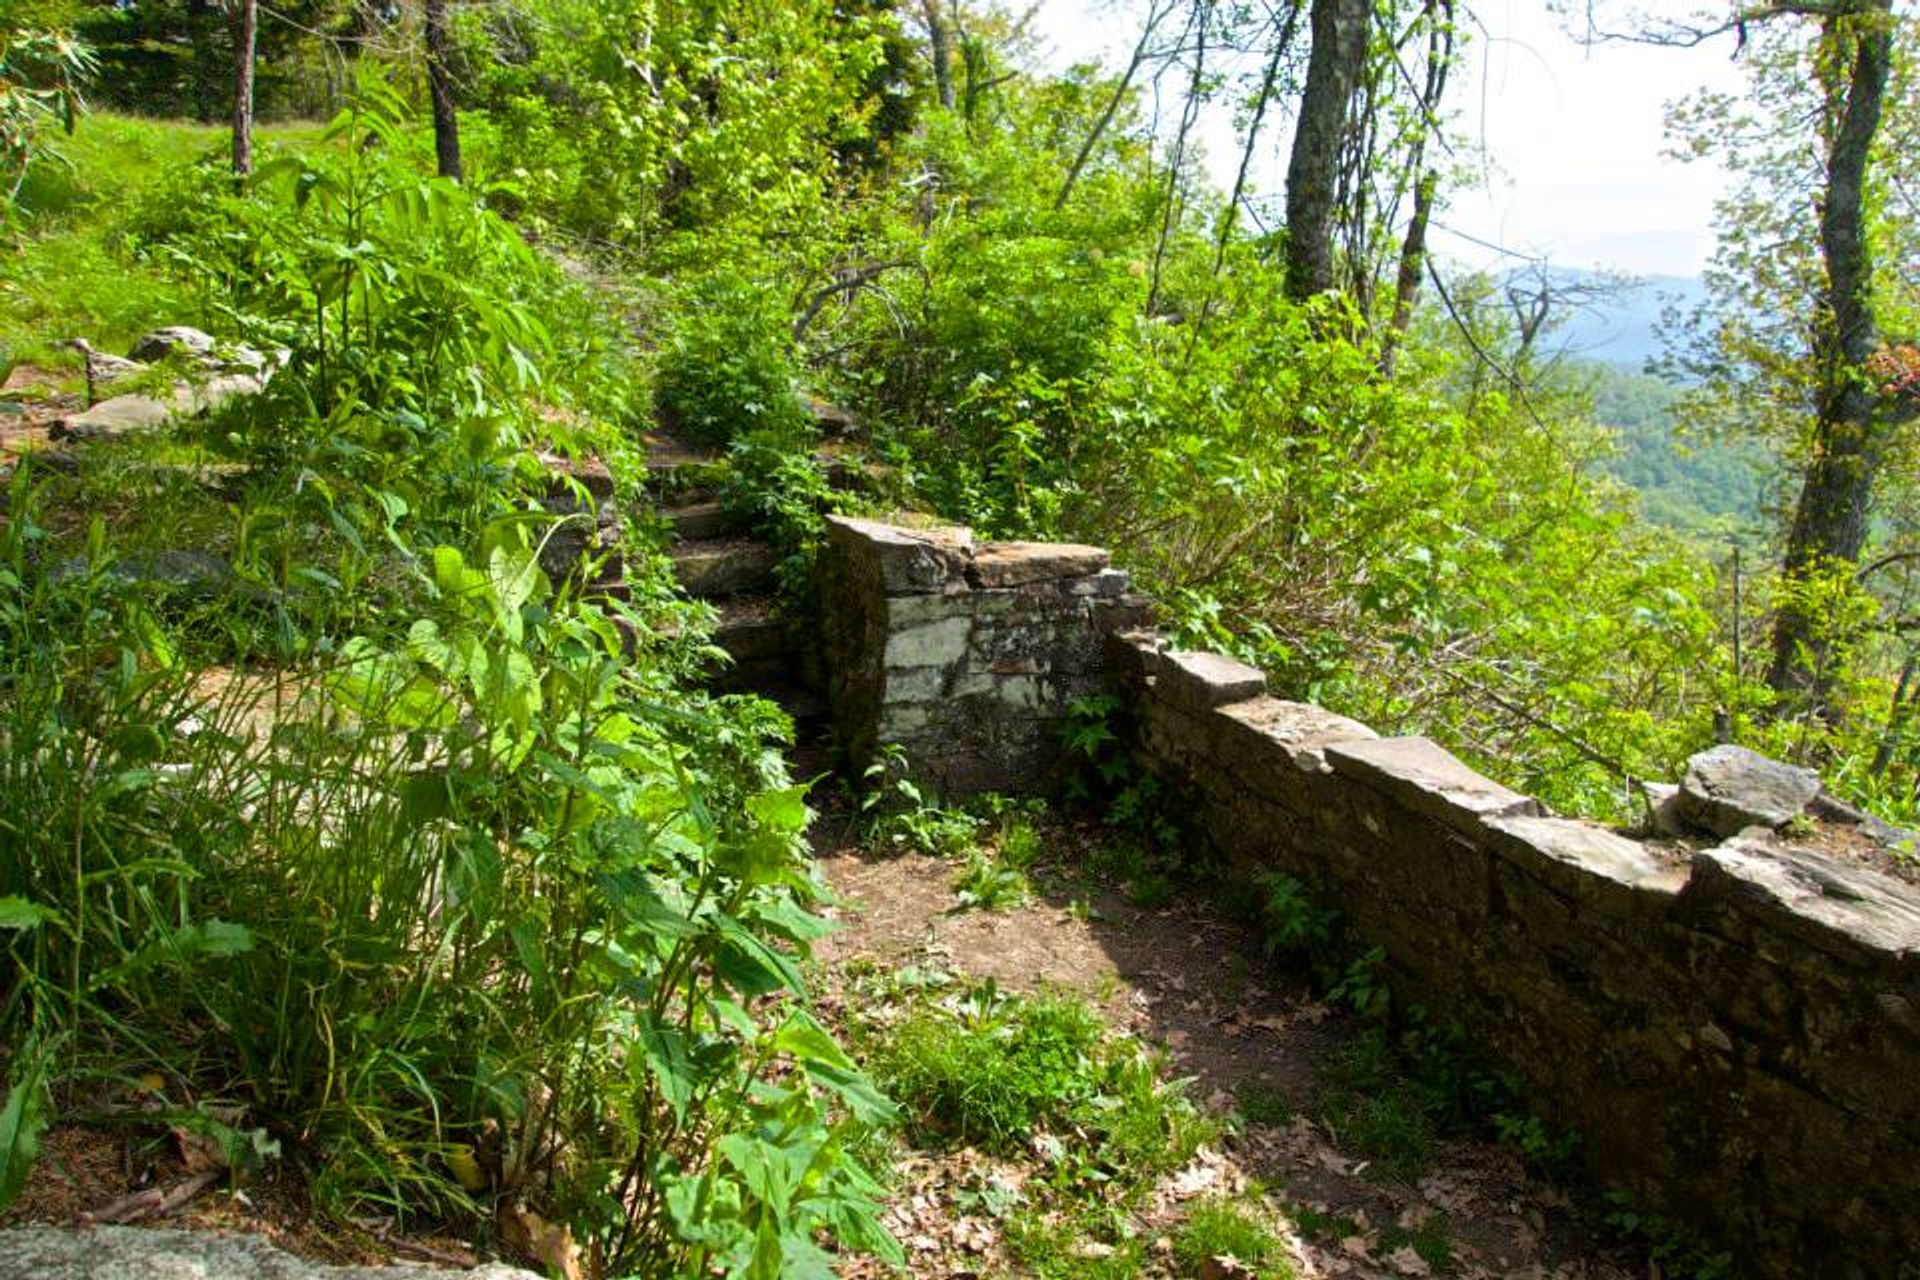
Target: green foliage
1218 1227
994 877
75 271
1006 1072
1675 1252
1258 1102
487 852
777 488
1369 1103
900 815
642 119
727 369
1705 487
41 74
1107 774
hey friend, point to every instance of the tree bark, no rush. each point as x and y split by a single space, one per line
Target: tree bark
446 118
940 49
1830 519
1413 269
244 18
1334 69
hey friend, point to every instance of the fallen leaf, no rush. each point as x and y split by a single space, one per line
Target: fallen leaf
1408 1263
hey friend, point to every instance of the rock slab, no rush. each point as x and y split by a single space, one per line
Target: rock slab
129 1253
1728 789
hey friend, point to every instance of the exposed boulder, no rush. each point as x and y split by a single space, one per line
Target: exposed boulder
1728 789
129 1253
175 339
199 572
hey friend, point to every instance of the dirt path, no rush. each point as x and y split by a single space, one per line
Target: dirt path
1250 1038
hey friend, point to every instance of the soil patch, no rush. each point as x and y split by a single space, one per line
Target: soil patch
1190 979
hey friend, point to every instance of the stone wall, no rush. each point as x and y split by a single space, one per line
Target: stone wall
1736 1039
965 655
1735 1036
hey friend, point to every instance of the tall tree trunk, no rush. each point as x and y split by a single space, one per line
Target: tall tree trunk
244 18
1334 68
446 119
940 47
1830 518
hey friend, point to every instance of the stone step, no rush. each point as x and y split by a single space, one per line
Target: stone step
678 473
715 568
698 520
750 630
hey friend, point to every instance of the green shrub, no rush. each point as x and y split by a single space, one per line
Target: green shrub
1369 1103
727 367
1219 1227
1006 1072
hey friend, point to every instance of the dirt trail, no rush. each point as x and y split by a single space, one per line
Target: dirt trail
1179 977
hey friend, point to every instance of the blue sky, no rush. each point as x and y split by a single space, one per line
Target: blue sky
1570 139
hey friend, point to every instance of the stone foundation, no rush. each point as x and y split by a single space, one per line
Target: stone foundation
1736 1039
966 656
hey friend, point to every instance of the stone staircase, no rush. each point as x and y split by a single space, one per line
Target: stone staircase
714 558
716 561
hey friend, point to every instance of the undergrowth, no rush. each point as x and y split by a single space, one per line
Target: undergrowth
1040 1078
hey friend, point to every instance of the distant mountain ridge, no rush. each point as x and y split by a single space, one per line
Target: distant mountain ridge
1620 330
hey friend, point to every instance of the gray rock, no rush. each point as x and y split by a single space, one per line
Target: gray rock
1839 907
1663 809
186 570
130 1253
1429 779
710 570
1728 789
116 417
905 561
175 339
123 415
1019 564
1203 681
1301 731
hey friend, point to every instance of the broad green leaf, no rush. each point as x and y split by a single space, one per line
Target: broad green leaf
24 1116
784 810
18 913
668 1062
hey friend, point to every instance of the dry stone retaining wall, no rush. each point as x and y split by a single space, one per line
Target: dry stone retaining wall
965 655
1736 1039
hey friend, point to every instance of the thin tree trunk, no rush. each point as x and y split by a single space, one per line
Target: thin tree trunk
1230 216
1413 269
1154 16
1413 247
1830 519
940 46
1897 714
446 118
1203 15
1334 68
244 18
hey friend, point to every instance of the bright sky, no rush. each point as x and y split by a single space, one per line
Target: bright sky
1573 136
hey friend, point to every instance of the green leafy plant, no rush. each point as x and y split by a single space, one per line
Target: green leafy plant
1217 1227
899 814
727 370
41 75
1677 1253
